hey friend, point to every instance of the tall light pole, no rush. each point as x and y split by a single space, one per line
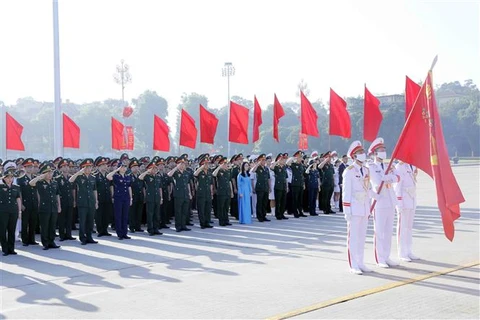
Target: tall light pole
58 124
123 77
228 70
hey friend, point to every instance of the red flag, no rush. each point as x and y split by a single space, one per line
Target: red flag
188 131
161 141
257 119
339 117
130 141
208 126
422 144
308 116
71 133
411 93
127 111
118 141
237 131
277 114
14 134
302 141
372 116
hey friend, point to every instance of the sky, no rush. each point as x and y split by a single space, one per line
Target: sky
180 46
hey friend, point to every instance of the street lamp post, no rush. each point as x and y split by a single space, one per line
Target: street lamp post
58 125
228 70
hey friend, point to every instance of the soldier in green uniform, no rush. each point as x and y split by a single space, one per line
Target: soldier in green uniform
204 191
327 172
170 164
165 185
153 197
104 211
10 209
138 194
280 187
87 202
224 191
298 183
30 204
67 201
236 162
49 204
181 193
261 187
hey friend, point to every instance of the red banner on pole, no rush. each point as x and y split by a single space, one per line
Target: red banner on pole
130 138
302 141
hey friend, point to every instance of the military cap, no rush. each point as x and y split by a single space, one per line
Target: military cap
27 162
377 143
151 164
239 156
203 159
133 163
19 161
184 156
217 158
86 162
222 160
314 154
9 165
160 161
144 159
114 162
180 159
57 160
298 153
47 167
9 170
278 157
71 163
269 156
261 157
124 156
233 158
62 163
100 160
354 148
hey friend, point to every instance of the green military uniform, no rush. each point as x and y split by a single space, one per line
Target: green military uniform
204 197
48 211
234 201
298 183
223 196
181 195
153 184
136 209
326 190
86 188
280 191
262 190
30 213
164 207
8 216
104 210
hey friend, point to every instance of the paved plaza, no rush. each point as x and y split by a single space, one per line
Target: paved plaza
278 269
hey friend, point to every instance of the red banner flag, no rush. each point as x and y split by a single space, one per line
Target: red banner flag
127 111
161 141
118 141
372 116
339 117
308 116
257 119
130 138
412 90
422 144
302 141
237 131
188 131
277 114
71 133
208 126
14 134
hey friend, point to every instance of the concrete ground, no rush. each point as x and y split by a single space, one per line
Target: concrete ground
277 269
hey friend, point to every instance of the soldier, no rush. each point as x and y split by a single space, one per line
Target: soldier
122 198
235 160
224 191
298 183
181 193
166 186
384 213
261 187
280 188
71 171
87 201
313 179
10 209
405 191
138 195
67 201
30 204
49 206
327 183
103 212
153 197
204 191
341 169
356 207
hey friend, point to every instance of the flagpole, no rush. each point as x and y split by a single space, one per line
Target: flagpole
57 125
401 135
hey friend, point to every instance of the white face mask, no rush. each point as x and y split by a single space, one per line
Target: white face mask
361 157
382 155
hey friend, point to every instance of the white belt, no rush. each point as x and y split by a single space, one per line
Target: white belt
411 191
360 196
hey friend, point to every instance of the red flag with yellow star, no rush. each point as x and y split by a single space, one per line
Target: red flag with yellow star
422 144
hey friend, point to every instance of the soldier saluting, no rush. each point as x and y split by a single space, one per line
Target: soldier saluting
10 209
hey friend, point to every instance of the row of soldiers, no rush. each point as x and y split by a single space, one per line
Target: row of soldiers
79 191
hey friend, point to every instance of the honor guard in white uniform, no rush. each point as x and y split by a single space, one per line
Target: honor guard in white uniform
356 194
384 212
405 191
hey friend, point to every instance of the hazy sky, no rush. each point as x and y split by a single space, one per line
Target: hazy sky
180 46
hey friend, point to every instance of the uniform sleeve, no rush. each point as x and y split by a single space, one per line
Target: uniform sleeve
398 186
347 190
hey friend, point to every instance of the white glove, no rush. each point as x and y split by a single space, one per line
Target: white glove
347 211
374 195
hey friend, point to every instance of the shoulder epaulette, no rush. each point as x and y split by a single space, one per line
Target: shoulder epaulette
350 167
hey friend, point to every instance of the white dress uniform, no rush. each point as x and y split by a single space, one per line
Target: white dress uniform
356 195
405 191
384 212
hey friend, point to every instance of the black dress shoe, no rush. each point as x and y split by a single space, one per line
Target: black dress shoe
313 214
132 231
53 246
83 243
92 241
186 229
203 227
190 224
120 238
25 244
5 254
12 252
151 234
71 238
266 219
278 218
228 224
127 237
157 232
331 211
99 235
178 230
139 230
209 226
296 216
62 239
107 234
260 220
302 215
45 248
33 243
284 218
